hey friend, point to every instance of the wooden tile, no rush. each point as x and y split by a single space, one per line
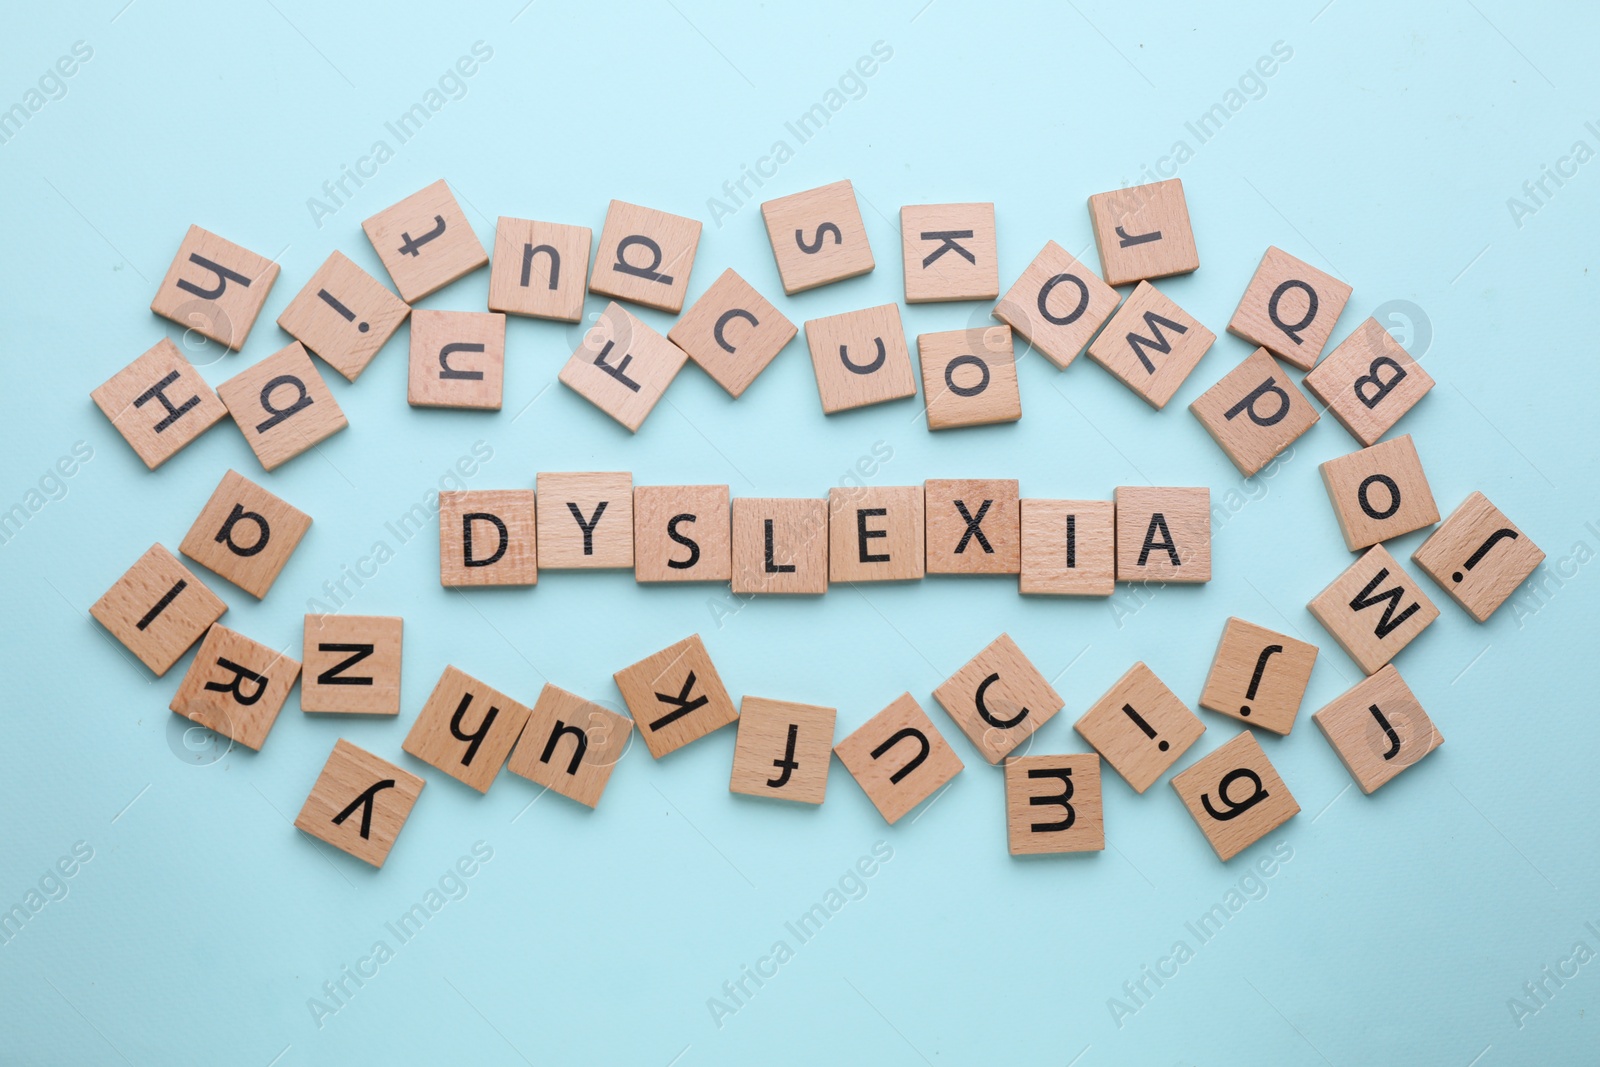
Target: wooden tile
783 750
585 520
1368 381
780 546
540 269
622 367
1259 676
1053 804
676 696
860 358
682 533
360 803
875 533
158 609
1150 345
974 526
1254 412
1378 729
282 406
571 745
344 315
1163 534
969 377
1289 309
236 686
898 758
245 534
949 252
1057 305
458 360
1140 727
215 288
159 403
1374 609
998 699
645 256
1235 796
466 729
1068 547
488 537
425 242
732 332
352 664
1478 556
817 236
1379 493
1143 232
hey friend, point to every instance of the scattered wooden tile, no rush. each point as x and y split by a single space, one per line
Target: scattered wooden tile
1140 727
860 358
425 242
969 377
949 252
245 534
1163 534
158 609
682 533
1150 345
898 758
458 360
732 332
622 366
875 533
540 269
817 236
998 699
466 729
676 696
973 526
359 803
1379 493
1289 308
487 537
1368 381
585 520
571 745
1374 609
1259 676
782 751
344 315
1378 729
780 546
645 256
236 686
352 664
215 288
1254 412
1068 547
1478 556
282 406
1057 305
159 403
1143 232
1053 804
1235 796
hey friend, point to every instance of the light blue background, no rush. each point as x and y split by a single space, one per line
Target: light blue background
1384 151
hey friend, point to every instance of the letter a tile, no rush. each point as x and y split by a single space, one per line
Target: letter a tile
245 534
282 406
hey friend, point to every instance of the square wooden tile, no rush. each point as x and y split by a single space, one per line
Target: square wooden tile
1140 727
352 664
159 403
676 696
817 236
571 745
898 758
1379 493
458 360
488 537
540 269
1053 804
875 533
215 288
974 526
1143 232
1378 729
860 358
1057 305
949 252
1235 796
969 377
645 256
344 315
585 520
1374 609
1068 547
158 609
1254 412
236 686
1163 534
466 729
732 332
998 699
1259 676
1289 308
245 534
1150 345
622 367
425 242
282 406
780 546
783 750
1368 381
359 803
1478 556
682 533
